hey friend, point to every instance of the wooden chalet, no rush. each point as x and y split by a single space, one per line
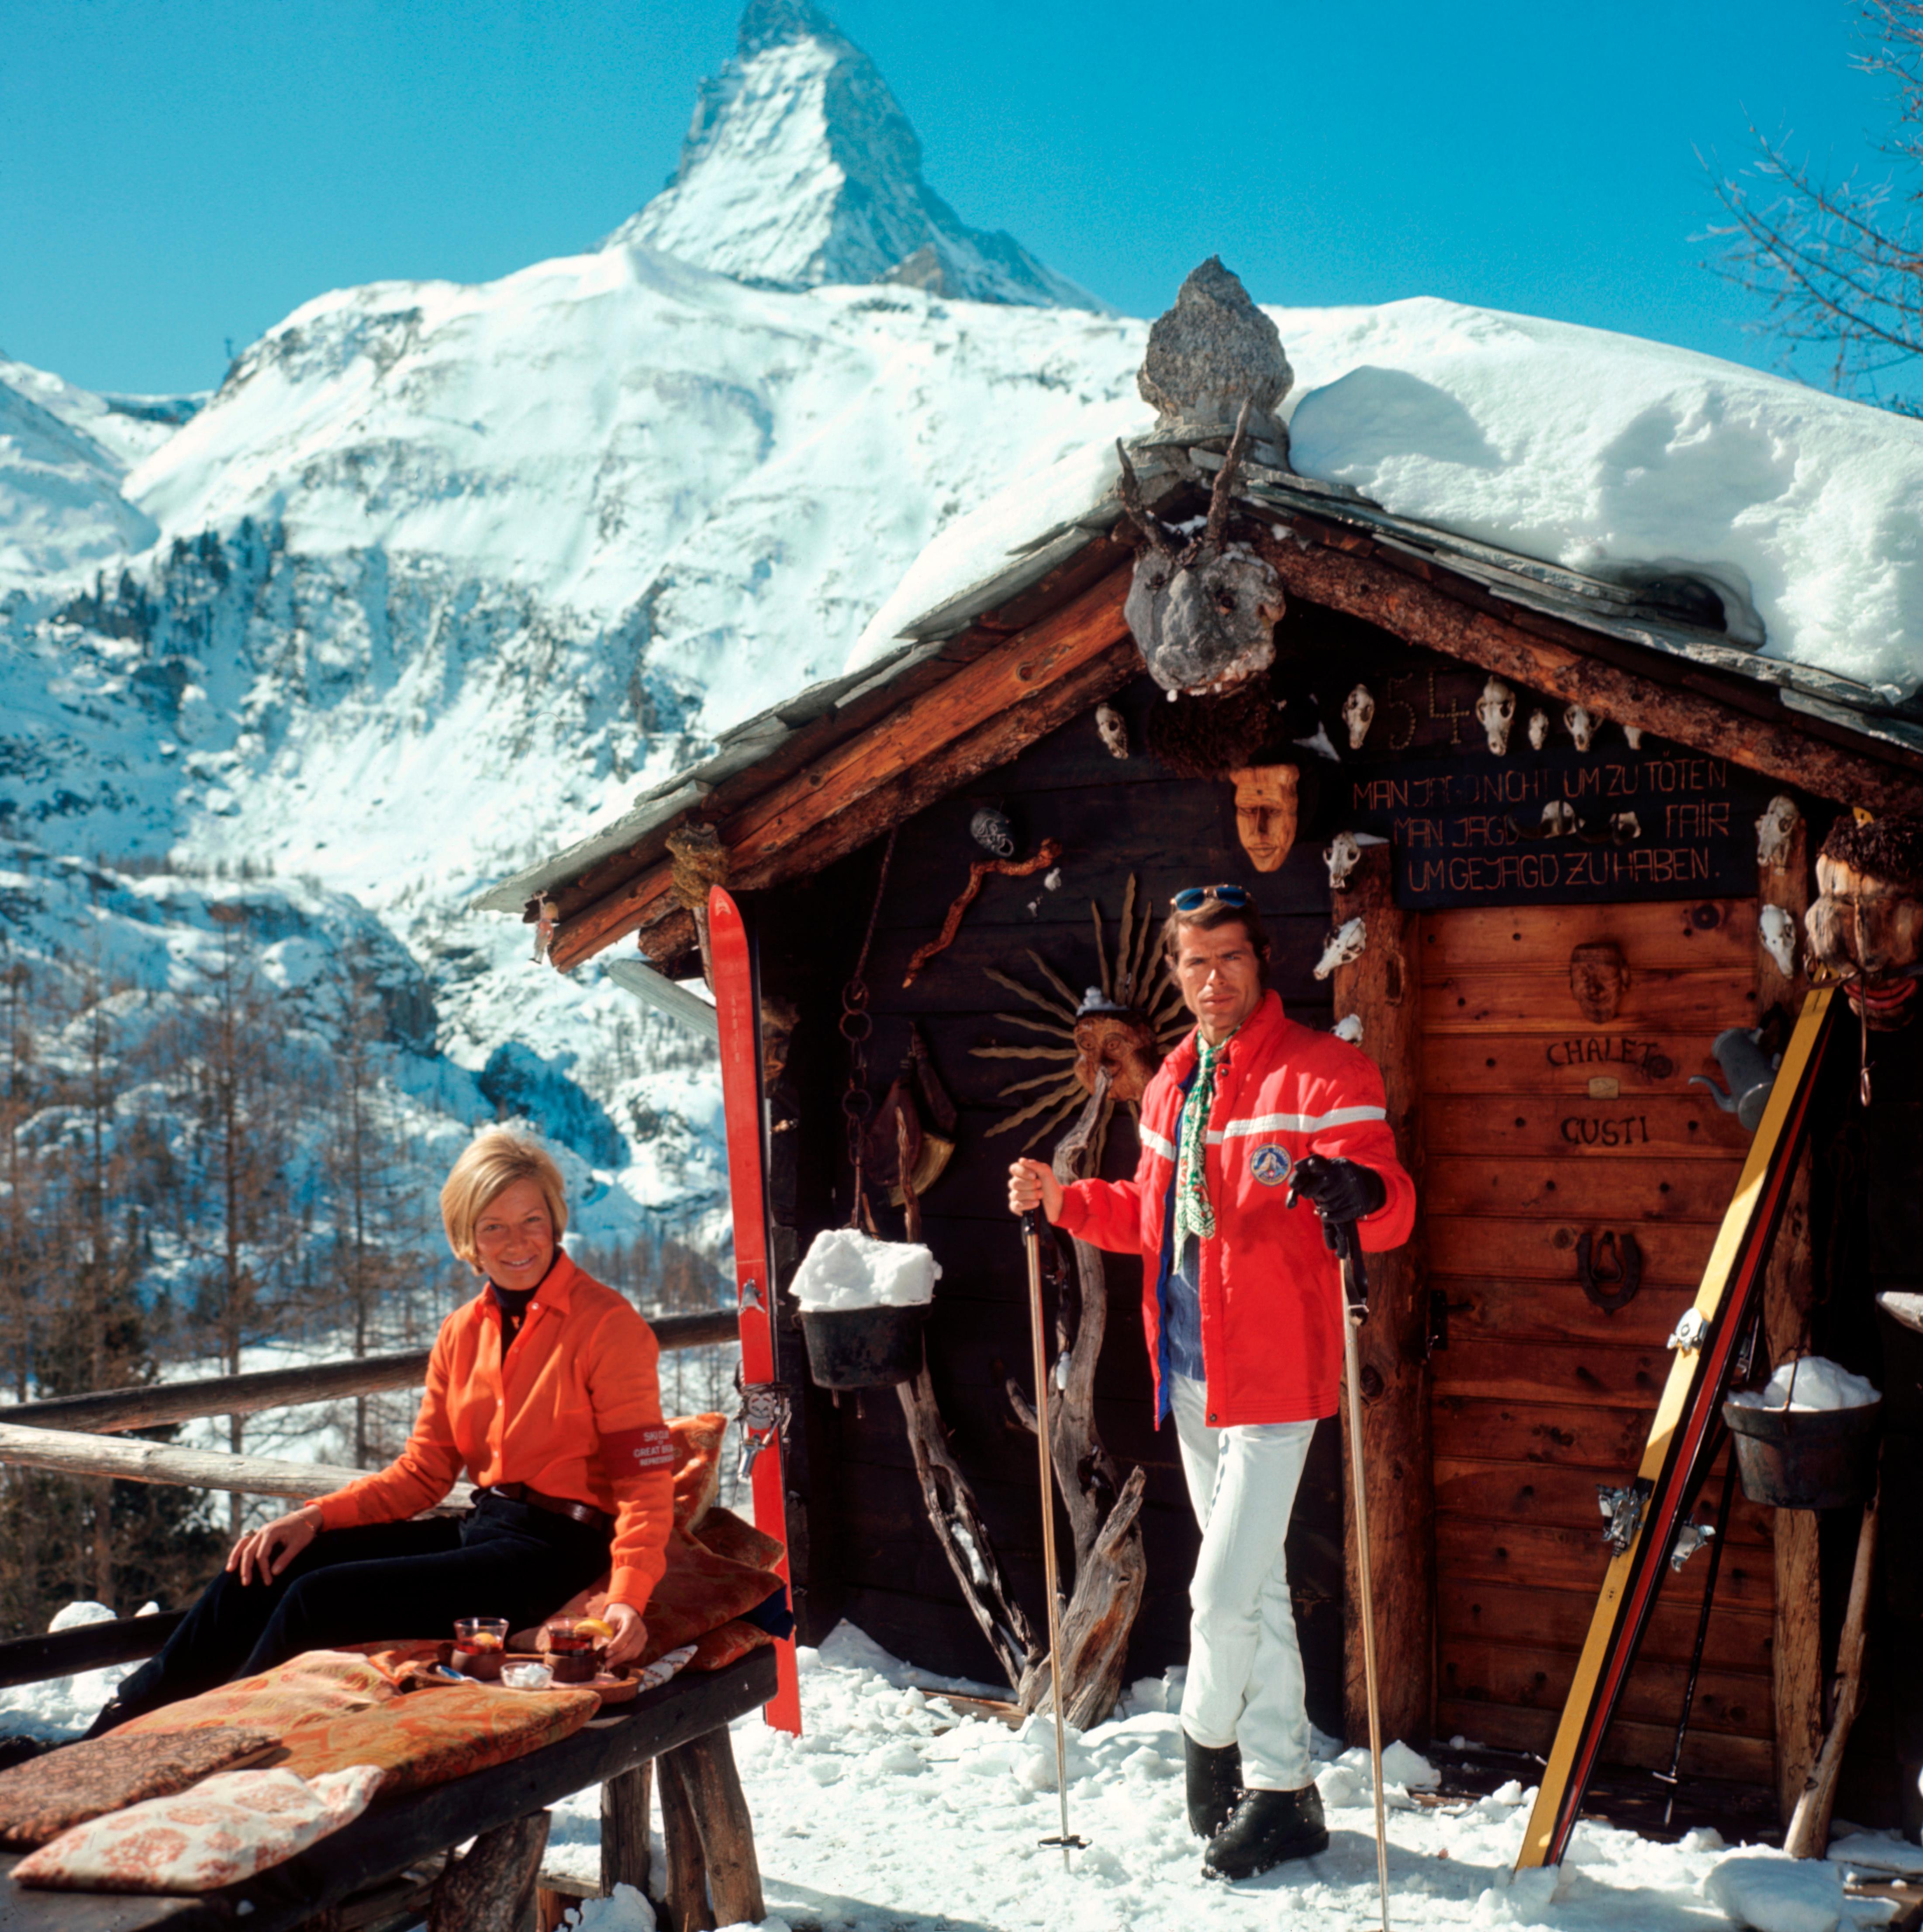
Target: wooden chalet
1541 1006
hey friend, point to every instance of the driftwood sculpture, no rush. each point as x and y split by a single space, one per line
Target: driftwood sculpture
1110 1567
950 1501
1202 611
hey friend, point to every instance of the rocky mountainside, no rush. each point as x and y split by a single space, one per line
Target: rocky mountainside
442 574
800 168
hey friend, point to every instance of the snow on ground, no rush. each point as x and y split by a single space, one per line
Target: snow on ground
893 1814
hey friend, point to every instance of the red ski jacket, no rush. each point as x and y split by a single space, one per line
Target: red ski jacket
1271 1290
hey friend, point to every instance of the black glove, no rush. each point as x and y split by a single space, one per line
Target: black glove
1342 1190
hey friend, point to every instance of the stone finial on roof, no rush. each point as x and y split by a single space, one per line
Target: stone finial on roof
1214 351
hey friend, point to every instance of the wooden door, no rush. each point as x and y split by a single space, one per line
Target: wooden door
1544 1124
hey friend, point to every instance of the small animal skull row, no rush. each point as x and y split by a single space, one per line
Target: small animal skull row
1495 712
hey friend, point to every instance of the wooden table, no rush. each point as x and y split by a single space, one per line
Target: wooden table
384 1863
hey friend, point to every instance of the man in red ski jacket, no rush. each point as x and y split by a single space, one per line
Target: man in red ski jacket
1243 1309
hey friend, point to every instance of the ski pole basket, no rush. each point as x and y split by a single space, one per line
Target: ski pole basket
863 1347
1805 1458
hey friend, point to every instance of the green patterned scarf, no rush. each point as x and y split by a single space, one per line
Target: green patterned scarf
1193 1214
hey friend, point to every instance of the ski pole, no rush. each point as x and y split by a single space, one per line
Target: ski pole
1031 1236
1718 1536
1348 1244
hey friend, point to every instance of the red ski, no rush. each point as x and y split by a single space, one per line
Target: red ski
739 1014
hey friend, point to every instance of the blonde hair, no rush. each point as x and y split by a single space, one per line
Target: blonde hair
493 1162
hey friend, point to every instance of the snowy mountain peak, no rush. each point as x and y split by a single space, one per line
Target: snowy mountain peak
799 169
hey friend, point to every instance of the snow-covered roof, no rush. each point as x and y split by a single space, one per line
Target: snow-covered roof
1567 468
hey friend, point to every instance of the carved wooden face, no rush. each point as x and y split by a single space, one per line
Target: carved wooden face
1265 812
1203 623
1598 977
1122 1044
1870 932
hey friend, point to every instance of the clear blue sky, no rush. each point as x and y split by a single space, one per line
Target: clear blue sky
175 174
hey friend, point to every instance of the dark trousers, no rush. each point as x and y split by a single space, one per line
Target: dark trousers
389 1580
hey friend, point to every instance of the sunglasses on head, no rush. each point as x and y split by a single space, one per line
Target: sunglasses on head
1195 897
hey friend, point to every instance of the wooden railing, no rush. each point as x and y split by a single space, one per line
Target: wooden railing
73 1436
109 1411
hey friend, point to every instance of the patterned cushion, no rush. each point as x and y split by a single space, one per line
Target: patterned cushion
48 1795
226 1829
331 1708
718 1566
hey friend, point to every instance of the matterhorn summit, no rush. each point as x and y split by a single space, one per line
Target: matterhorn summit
801 170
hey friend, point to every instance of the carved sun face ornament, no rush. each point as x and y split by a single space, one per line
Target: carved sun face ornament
1358 713
1867 928
1112 1036
1203 612
1265 812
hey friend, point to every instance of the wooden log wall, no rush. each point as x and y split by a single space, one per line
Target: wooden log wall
869 1551
1539 1395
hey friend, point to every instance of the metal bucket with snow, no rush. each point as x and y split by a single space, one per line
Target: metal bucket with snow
862 1304
1792 1456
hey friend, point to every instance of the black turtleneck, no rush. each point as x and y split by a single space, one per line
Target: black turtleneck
512 1302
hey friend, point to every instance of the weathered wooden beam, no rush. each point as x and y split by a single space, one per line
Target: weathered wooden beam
111 1410
1425 613
625 1850
684 1902
985 748
1796 1648
703 1771
32 1659
71 1453
764 829
1382 989
1808 1836
1067 581
491 1888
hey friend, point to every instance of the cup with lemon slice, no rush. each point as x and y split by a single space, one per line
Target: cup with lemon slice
574 1646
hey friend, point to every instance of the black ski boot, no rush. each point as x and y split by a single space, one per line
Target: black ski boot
1215 1782
1268 1828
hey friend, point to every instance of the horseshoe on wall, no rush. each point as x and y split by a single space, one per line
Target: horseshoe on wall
1610 1284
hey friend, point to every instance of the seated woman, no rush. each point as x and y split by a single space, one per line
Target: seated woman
544 1388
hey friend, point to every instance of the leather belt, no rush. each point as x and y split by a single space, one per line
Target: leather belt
519 1493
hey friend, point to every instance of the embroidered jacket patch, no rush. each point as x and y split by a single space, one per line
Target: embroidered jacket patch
632 1451
1270 1164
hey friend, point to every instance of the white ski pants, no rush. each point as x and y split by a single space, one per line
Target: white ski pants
1245 1685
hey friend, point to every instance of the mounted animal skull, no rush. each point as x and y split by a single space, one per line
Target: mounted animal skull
1341 855
1203 612
1778 931
1495 712
1559 818
1775 829
1581 723
1345 947
1114 730
1538 730
1358 713
1634 733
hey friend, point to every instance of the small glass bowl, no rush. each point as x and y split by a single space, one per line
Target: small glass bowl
526 1675
480 1643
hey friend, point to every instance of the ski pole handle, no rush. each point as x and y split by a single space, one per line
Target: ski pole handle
1355 1271
1031 1224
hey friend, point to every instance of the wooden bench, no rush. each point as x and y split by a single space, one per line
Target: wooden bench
393 1865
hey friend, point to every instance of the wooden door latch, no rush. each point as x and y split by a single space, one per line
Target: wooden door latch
1609 1280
